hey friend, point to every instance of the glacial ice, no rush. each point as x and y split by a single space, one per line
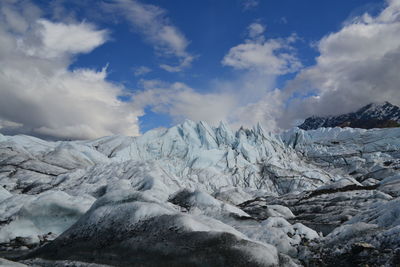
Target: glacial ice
280 233
4 194
361 153
255 194
128 226
35 216
7 263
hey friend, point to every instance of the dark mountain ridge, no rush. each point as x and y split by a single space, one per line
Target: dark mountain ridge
374 115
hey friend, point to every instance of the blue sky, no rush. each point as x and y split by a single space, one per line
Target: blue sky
246 60
213 27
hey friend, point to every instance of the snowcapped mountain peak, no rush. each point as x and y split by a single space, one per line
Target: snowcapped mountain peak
379 110
373 115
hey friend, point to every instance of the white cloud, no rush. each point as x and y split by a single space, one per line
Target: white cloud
182 102
246 100
51 40
15 15
39 95
256 30
265 111
183 64
152 22
142 70
272 56
59 39
252 95
357 65
250 4
13 19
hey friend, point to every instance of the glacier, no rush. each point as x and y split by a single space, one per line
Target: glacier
286 199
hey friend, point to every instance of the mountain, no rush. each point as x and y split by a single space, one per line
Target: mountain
374 115
196 195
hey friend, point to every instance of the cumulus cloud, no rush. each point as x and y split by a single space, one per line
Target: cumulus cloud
39 94
357 65
50 40
244 100
249 98
182 102
259 61
152 22
271 56
265 111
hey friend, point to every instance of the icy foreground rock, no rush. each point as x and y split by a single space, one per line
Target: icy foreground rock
195 194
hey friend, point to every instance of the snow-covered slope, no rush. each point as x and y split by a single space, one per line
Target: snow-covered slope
252 193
